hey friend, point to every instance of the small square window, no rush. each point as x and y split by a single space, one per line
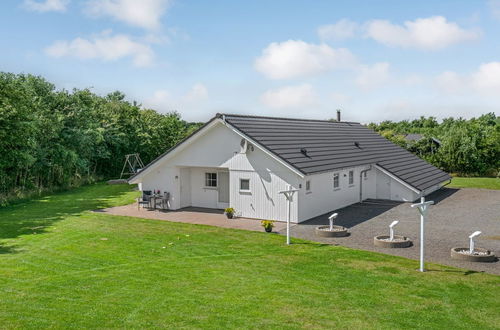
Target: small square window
245 184
308 185
336 183
351 177
211 180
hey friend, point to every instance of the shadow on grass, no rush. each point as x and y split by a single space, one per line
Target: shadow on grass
457 271
35 216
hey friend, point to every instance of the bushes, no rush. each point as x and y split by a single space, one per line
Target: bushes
468 147
54 138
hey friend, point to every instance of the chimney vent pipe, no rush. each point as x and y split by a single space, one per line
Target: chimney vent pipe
338 115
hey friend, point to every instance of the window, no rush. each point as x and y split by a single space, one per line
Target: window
336 183
245 184
308 185
211 180
366 175
351 177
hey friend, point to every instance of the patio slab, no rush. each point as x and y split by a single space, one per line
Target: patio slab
194 215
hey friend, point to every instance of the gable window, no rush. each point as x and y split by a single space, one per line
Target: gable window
308 186
336 181
244 184
351 178
211 180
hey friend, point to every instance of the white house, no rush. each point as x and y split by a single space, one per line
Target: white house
245 161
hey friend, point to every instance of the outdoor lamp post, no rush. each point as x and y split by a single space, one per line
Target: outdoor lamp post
289 197
331 218
422 209
391 230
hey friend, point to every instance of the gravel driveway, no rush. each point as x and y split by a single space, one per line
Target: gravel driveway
456 214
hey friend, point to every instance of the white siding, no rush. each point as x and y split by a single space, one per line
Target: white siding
219 148
396 190
324 198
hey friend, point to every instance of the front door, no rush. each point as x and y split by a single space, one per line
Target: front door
223 188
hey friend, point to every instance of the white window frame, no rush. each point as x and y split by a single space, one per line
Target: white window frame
351 178
336 176
245 190
211 179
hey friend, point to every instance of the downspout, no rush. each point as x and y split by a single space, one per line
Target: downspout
361 182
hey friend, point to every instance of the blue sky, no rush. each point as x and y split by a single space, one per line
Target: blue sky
375 60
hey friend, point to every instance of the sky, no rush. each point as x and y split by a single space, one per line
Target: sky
374 60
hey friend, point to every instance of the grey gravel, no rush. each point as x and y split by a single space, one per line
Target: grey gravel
456 214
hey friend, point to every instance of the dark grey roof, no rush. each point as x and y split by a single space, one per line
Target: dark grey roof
413 137
315 146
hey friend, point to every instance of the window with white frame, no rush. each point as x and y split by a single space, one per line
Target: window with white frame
211 180
336 181
308 185
351 178
244 184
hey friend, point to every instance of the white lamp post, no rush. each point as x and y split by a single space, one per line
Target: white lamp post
471 244
422 209
331 218
289 197
391 230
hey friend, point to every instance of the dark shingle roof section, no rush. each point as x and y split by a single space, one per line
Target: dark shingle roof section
314 146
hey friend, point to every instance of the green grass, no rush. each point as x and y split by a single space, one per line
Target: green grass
64 267
485 183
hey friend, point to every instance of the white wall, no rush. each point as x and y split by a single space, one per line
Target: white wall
324 198
219 148
396 190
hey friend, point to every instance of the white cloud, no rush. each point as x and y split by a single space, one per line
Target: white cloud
197 93
46 6
296 58
431 33
104 46
485 81
144 13
495 8
340 98
290 97
370 77
343 29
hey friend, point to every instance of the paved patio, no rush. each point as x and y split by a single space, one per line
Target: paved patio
456 214
194 215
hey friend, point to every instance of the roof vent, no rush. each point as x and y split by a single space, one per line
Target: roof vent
356 143
304 151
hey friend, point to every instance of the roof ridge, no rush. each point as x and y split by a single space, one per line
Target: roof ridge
219 115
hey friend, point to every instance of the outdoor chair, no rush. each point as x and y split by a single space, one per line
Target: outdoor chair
145 199
165 200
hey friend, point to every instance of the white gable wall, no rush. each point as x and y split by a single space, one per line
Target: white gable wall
389 188
219 149
323 198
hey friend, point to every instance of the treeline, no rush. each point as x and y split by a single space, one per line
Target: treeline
464 147
53 138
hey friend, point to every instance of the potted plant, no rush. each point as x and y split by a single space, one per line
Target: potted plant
268 225
229 212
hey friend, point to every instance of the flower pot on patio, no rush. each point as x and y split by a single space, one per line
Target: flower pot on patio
397 241
229 212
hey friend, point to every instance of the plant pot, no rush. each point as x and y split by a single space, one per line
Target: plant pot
480 255
268 229
229 215
338 231
398 241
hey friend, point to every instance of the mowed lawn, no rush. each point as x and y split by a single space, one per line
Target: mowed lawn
485 183
62 266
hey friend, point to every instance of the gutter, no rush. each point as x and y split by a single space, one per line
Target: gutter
361 182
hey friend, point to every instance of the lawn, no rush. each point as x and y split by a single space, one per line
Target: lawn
486 183
62 266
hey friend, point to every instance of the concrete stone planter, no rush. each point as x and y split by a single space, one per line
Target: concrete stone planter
398 241
480 255
338 231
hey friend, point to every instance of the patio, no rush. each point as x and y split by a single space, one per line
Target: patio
194 215
456 214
